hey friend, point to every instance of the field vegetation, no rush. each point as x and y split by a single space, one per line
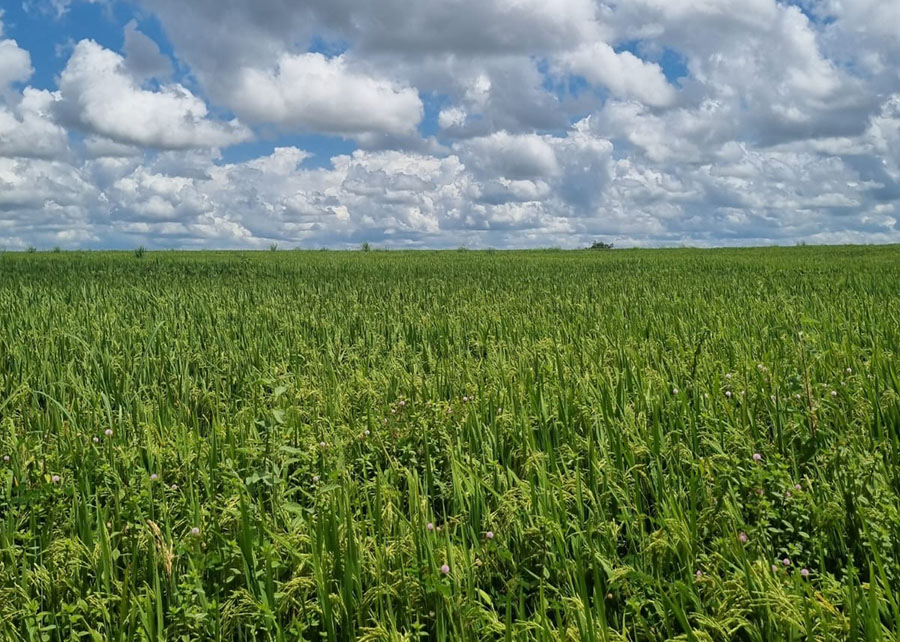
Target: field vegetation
624 445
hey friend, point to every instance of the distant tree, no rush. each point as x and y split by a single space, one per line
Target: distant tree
139 252
365 247
57 249
273 247
600 245
31 249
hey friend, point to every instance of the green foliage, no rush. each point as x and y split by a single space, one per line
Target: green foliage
310 413
139 252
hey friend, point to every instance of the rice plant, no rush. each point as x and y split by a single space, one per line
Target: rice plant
627 445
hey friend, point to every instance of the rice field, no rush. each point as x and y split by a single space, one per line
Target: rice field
304 445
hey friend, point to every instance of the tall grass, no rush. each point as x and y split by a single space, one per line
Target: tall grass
281 446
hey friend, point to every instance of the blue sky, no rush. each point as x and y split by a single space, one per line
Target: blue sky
238 123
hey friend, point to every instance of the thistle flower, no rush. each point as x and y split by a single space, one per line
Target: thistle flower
402 402
438 529
804 572
174 486
322 444
108 432
489 534
154 477
774 568
465 399
445 569
96 440
5 457
849 371
674 391
698 574
786 561
366 432
743 537
798 487
834 393
315 479
757 457
55 479
429 527
728 393
195 531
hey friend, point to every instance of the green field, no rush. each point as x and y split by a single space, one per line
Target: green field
252 446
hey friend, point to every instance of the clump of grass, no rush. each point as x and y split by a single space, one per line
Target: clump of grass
451 446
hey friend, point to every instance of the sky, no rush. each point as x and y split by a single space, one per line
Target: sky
448 123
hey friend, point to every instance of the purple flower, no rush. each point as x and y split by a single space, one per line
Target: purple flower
786 561
798 487
402 402
445 569
774 568
804 572
154 477
429 526
174 487
489 534
438 529
55 479
757 457
743 537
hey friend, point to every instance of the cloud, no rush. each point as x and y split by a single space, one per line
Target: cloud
623 73
476 122
99 96
142 55
27 128
313 92
15 62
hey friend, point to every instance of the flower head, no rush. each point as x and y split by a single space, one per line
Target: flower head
154 477
174 486
445 569
674 391
757 457
774 568
786 561
195 531
743 537
429 526
698 574
322 444
315 479
804 572
5 457
96 440
798 487
55 479
728 393
108 432
489 534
